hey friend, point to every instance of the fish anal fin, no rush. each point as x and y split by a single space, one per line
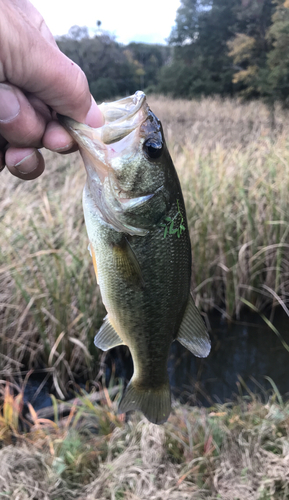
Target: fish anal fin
127 264
192 333
154 403
106 337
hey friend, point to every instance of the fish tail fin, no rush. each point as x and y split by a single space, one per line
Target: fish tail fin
154 403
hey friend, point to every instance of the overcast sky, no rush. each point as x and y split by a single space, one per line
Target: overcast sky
148 21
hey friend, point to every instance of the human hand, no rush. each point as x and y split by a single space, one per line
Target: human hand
36 81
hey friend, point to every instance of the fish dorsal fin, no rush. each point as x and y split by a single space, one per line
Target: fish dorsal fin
106 337
127 263
192 333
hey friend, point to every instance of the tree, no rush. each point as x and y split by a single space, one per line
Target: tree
245 58
104 62
186 29
77 32
250 46
260 52
113 69
147 60
278 57
199 39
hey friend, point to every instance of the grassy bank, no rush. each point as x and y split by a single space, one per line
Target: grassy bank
235 177
227 452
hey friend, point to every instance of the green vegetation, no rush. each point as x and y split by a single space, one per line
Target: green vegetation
200 64
229 47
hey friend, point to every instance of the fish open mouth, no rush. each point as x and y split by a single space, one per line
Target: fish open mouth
120 132
127 124
120 119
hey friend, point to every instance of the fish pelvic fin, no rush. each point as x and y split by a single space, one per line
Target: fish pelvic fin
192 333
154 403
106 337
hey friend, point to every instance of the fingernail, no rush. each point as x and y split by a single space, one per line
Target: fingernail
27 164
94 117
67 147
10 106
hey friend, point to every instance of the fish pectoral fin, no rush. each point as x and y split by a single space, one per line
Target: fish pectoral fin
155 403
127 264
192 333
106 337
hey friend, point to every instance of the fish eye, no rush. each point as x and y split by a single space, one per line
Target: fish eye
153 148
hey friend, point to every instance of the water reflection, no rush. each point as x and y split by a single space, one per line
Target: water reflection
246 349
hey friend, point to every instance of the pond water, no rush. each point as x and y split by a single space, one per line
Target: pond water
243 353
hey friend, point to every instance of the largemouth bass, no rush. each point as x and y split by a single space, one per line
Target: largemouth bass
139 241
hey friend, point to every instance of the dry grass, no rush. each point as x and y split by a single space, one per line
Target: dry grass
235 178
212 122
50 308
230 452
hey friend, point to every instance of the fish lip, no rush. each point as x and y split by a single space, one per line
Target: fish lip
125 108
120 119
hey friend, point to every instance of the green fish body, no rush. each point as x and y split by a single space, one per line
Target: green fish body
139 241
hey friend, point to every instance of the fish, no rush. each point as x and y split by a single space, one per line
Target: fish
140 246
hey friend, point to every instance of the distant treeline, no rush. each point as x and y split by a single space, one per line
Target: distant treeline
113 69
225 47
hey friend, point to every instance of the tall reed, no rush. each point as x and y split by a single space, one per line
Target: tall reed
50 307
235 177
